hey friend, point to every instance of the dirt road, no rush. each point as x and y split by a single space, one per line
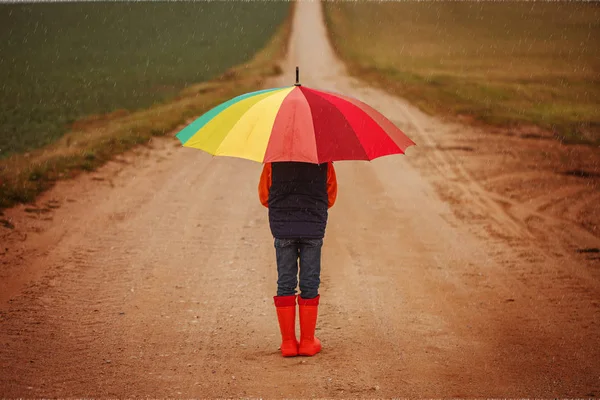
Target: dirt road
154 276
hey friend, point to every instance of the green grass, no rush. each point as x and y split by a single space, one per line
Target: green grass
97 139
502 63
63 61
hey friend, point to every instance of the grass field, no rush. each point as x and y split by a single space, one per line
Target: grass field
94 140
63 61
502 63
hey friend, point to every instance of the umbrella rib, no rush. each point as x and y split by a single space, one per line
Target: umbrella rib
313 126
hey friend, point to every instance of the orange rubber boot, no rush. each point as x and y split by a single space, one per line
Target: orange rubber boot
286 315
309 344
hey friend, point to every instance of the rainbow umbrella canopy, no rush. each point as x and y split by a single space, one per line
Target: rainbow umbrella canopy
295 123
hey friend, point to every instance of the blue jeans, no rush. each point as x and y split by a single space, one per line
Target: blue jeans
288 252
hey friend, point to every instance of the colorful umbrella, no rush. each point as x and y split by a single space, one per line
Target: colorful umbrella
295 123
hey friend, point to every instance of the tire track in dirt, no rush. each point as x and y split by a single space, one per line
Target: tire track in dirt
158 279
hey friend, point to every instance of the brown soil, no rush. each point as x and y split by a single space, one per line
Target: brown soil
468 267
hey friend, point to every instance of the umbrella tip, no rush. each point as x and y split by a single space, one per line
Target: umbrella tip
297 77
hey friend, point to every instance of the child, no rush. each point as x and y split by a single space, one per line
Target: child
298 196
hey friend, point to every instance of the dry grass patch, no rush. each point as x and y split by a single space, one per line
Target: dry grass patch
500 63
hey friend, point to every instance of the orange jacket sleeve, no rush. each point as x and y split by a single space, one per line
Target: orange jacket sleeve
331 185
265 185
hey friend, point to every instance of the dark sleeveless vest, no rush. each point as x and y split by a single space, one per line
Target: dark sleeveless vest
298 200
